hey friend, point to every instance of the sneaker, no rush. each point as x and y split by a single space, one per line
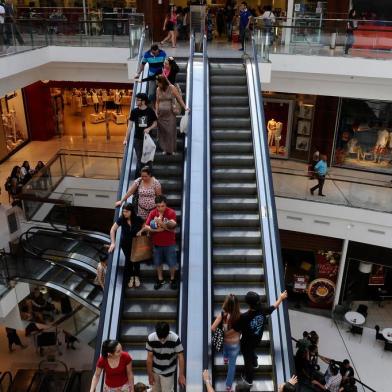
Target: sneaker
225 361
137 281
159 284
245 381
131 282
256 363
173 284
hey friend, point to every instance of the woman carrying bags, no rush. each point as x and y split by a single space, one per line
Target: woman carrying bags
130 225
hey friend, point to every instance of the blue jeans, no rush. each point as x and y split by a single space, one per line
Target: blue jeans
231 351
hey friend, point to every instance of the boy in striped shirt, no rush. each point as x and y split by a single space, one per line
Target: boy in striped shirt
164 347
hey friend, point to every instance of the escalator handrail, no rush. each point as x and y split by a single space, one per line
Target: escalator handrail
108 322
207 305
185 206
273 266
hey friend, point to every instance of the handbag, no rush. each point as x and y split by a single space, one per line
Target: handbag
218 336
141 249
176 108
135 198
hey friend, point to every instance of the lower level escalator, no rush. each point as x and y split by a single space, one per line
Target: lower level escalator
78 250
144 306
237 257
41 272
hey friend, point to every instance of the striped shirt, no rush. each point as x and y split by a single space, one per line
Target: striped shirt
155 62
164 354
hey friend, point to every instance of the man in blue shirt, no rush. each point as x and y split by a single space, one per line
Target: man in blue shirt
245 19
155 58
321 169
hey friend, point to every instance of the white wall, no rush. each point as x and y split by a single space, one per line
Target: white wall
354 224
9 301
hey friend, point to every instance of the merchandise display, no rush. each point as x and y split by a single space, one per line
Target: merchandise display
92 111
13 122
363 138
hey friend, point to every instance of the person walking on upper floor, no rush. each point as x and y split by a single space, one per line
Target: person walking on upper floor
161 224
167 94
117 367
130 224
2 18
269 20
170 25
229 13
147 188
245 19
251 326
155 58
11 28
228 317
164 348
351 26
145 120
321 169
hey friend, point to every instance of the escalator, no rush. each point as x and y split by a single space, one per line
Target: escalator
144 306
237 256
75 249
41 272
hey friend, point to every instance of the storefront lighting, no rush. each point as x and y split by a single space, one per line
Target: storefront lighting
365 268
45 81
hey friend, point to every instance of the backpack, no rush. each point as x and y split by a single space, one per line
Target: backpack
268 21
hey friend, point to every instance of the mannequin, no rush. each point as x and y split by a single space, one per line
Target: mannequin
381 144
94 97
117 101
271 127
278 135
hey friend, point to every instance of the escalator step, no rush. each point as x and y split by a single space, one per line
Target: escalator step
223 219
237 254
227 203
238 273
163 310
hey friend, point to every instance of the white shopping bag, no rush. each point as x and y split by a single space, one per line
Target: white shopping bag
184 123
149 148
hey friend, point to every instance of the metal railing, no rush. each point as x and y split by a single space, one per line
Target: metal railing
28 33
110 309
323 37
273 267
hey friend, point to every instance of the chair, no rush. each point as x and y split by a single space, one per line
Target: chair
362 309
379 336
388 346
356 330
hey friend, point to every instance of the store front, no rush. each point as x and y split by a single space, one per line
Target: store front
289 124
311 268
364 135
367 275
13 127
78 109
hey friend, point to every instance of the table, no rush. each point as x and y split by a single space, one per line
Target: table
354 318
387 333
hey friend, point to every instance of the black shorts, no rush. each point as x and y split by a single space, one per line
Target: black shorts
169 26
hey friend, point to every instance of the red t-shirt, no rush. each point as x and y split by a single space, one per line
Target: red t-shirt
115 377
166 237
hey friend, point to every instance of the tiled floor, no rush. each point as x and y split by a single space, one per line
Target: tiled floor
45 150
371 363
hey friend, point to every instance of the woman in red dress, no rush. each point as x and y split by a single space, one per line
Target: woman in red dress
117 365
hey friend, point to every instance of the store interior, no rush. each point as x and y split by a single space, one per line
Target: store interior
91 111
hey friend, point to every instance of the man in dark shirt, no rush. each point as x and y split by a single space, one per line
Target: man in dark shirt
251 325
245 19
145 119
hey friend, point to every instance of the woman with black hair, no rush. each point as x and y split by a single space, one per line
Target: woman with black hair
170 70
117 365
130 225
352 25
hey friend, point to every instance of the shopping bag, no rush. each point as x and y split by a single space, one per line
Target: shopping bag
149 148
141 249
184 123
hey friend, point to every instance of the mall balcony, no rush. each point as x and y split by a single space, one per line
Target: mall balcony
239 184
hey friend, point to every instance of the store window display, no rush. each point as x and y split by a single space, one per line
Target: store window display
363 138
13 127
91 111
278 114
